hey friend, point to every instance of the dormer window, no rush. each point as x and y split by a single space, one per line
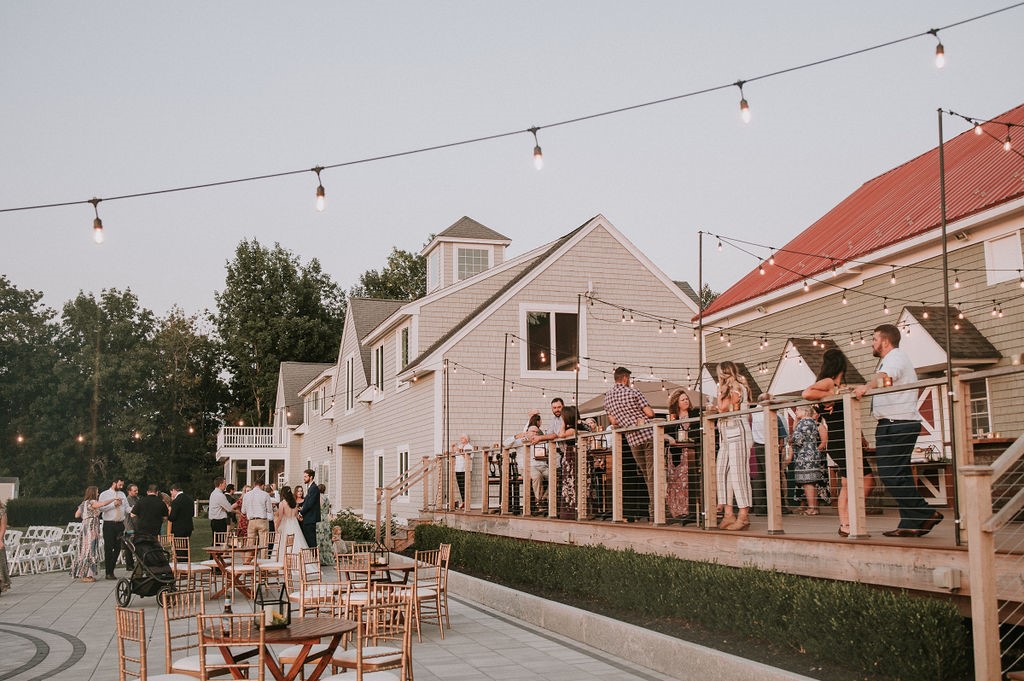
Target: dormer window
472 261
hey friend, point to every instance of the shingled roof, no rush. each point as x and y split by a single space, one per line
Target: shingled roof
812 352
468 228
967 344
294 376
895 206
367 314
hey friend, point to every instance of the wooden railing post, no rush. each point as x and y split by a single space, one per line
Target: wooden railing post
389 541
962 442
616 476
710 476
981 559
660 466
426 483
468 484
376 531
855 500
772 471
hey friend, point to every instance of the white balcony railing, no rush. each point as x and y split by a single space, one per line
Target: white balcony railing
252 437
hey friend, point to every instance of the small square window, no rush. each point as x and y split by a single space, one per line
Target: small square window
1003 259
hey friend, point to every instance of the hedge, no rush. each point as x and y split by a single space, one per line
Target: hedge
853 625
56 511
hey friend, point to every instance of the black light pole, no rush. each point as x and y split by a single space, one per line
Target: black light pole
950 397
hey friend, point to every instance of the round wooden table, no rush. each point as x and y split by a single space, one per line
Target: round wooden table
307 632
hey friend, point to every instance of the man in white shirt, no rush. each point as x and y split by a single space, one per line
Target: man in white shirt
899 424
258 508
539 465
113 502
219 506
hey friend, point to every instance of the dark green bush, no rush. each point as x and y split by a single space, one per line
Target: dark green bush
353 527
57 511
852 625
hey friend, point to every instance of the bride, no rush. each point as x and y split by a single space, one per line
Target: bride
286 520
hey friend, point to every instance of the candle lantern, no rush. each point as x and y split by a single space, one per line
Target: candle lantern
380 554
274 604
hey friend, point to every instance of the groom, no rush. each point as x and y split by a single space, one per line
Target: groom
309 513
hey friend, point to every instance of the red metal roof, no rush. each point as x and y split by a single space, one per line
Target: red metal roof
895 206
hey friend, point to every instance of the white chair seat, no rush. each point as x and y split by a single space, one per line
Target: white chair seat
380 655
292 652
314 591
370 676
190 664
201 567
269 564
425 593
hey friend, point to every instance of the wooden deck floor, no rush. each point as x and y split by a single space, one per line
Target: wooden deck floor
810 546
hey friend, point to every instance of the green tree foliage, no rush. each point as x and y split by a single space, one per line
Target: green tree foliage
403 277
707 296
28 386
273 309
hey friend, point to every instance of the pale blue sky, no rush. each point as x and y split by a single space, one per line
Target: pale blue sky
105 98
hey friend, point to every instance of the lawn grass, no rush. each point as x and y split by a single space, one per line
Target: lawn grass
202 536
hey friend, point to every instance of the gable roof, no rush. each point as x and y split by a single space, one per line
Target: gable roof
366 315
893 207
688 291
294 377
466 228
967 343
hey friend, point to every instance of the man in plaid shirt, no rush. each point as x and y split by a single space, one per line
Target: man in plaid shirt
626 406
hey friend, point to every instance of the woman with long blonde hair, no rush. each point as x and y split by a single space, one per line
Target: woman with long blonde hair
733 464
85 566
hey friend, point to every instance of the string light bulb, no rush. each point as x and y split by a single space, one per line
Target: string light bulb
97 224
744 106
885 306
321 194
995 309
80 438
925 313
719 245
659 326
19 438
674 330
977 128
807 287
940 51
761 269
845 301
771 258
956 279
1007 144
538 155
892 276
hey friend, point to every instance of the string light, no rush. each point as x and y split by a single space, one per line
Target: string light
674 330
659 326
771 258
512 387
885 305
81 438
538 156
995 309
925 313
728 341
694 335
19 438
483 380
744 107
623 316
956 279
1007 145
632 319
862 341
807 287
97 224
191 431
321 195
512 340
892 276
940 51
845 301
977 128
721 336
761 269
851 340
719 245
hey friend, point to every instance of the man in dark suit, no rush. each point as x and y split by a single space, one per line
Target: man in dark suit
149 513
309 513
180 515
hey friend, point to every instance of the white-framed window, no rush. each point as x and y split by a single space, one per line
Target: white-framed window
1003 258
377 366
470 261
315 399
403 466
404 352
324 404
981 420
323 474
434 269
553 340
380 470
350 383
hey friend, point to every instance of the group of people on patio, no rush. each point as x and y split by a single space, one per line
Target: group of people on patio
818 433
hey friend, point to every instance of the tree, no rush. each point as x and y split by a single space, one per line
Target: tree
403 277
273 309
707 296
31 420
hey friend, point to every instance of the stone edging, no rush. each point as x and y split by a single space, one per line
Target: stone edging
671 656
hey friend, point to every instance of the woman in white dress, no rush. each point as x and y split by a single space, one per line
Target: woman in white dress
286 520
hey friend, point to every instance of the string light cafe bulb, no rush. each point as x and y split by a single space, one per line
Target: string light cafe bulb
97 224
744 106
1007 145
321 194
940 51
977 128
538 155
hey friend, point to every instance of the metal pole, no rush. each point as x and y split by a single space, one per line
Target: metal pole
950 397
504 370
576 391
700 360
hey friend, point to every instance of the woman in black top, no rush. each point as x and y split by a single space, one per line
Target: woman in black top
830 381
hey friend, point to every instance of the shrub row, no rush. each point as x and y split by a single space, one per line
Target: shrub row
56 511
853 625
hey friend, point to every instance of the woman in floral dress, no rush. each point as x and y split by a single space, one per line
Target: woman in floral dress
87 560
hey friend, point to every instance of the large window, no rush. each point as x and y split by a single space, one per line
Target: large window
981 422
403 466
404 347
552 341
470 261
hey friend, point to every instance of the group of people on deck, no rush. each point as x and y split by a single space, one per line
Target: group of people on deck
741 486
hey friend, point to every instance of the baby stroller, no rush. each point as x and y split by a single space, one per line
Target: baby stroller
152 575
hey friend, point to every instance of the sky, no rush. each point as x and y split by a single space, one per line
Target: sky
105 99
